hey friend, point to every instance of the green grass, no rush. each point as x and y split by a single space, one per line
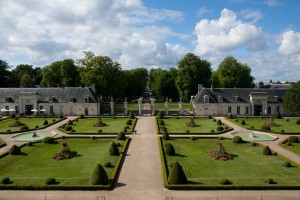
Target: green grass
249 166
114 125
287 124
36 163
295 147
31 122
177 125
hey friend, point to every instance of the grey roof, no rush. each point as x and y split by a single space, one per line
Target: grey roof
61 95
230 95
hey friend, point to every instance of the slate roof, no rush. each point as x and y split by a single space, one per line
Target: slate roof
56 95
229 94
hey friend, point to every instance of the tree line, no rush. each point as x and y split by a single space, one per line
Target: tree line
111 80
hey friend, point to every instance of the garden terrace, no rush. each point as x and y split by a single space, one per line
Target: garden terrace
31 122
179 125
248 169
31 169
282 126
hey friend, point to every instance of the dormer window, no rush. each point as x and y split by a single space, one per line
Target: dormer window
220 98
8 99
86 99
237 98
276 98
72 100
206 99
51 99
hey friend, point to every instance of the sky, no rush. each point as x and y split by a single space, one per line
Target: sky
264 34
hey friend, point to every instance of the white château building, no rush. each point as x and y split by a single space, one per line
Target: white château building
49 101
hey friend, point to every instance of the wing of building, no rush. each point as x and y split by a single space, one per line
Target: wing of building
239 101
50 101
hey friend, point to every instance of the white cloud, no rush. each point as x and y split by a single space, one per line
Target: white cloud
273 3
224 34
252 15
203 11
125 30
290 43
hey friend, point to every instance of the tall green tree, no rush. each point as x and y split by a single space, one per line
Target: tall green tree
192 71
135 81
19 71
102 71
291 99
27 82
232 74
165 84
154 73
4 74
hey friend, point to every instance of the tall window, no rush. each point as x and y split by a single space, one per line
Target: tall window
269 110
86 99
220 98
238 110
277 109
17 109
229 109
51 109
206 99
247 110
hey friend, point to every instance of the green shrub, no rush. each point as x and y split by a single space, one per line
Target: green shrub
287 120
230 116
81 116
100 131
99 176
287 163
166 136
237 139
5 180
214 120
15 150
220 128
267 150
24 127
288 143
48 140
129 122
93 138
125 129
253 144
45 122
192 138
219 122
293 139
221 138
118 144
236 120
29 143
36 127
298 121
69 122
73 130
171 164
61 116
282 131
131 115
224 181
243 122
113 149
53 120
108 164
278 115
8 131
170 151
177 175
269 181
161 122
212 131
121 136
63 137
160 115
187 131
68 128
50 181
209 117
226 127
265 128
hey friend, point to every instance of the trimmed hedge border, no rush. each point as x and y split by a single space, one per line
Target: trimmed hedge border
219 187
46 126
112 179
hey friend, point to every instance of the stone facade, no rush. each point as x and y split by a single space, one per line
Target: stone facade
54 101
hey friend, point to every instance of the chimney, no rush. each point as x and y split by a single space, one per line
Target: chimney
199 87
211 87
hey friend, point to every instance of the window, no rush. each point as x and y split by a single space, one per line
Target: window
17 109
41 107
51 99
276 98
220 98
86 99
277 109
238 110
72 100
236 98
269 110
247 110
8 99
51 109
206 99
229 109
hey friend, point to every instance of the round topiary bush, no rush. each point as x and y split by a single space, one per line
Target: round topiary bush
187 131
265 128
253 144
243 122
69 122
209 117
63 137
61 116
192 138
170 151
220 128
177 175
48 140
212 131
224 181
113 149
267 150
269 181
287 163
288 143
237 139
230 116
129 122
278 115
219 122
15 150
24 127
50 181
36 127
5 180
221 138
107 164
68 128
45 122
298 121
81 116
293 139
99 176
29 143
166 136
121 136
93 138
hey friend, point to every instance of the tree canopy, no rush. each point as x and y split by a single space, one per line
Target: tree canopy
232 74
4 74
291 99
192 71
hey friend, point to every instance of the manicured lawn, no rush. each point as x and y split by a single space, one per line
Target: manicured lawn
249 166
287 124
36 163
295 147
114 125
178 125
31 122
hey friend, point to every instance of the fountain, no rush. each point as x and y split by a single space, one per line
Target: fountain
256 136
32 136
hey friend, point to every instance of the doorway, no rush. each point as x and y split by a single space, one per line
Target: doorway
28 109
257 110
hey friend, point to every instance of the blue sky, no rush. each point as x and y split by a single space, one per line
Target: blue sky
265 34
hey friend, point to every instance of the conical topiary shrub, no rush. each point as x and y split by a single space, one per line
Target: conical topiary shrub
99 176
15 150
121 136
267 151
177 175
166 136
113 149
170 151
160 115
131 115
